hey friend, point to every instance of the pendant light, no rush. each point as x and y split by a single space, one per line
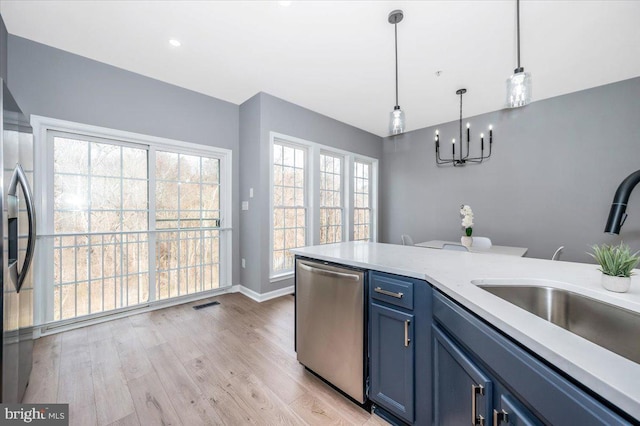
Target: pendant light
519 84
396 119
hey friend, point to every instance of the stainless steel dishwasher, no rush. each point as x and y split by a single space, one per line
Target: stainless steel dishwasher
330 324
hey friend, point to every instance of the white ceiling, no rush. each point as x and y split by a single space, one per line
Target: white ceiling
337 58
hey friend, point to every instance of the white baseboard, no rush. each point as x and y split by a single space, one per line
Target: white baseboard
264 296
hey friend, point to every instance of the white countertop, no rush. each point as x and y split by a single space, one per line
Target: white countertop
612 376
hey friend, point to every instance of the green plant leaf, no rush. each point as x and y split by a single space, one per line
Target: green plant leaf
617 261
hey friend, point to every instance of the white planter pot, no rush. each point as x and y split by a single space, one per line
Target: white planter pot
617 284
466 241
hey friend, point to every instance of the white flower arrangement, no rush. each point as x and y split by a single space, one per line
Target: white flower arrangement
467 219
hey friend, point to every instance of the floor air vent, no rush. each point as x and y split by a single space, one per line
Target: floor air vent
206 305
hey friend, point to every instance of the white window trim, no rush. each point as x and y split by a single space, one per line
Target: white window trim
43 167
312 195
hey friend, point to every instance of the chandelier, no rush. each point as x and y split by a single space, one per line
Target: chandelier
463 157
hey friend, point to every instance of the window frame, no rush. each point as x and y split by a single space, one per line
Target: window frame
343 198
312 196
44 129
306 195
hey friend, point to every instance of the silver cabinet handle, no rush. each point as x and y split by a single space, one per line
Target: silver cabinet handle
407 340
20 177
388 293
476 420
500 417
328 273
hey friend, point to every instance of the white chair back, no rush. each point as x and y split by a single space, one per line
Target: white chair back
407 240
556 255
481 242
456 247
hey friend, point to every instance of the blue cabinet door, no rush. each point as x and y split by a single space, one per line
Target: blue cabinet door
392 360
463 393
512 413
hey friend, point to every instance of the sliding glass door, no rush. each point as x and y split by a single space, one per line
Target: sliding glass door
129 224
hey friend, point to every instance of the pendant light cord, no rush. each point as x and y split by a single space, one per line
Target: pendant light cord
518 28
460 125
395 26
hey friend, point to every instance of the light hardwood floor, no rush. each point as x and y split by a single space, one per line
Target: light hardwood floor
230 364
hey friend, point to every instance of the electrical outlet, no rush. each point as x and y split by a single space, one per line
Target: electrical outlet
245 205
244 264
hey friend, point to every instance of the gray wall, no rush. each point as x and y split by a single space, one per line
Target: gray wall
555 166
251 226
3 49
53 83
283 117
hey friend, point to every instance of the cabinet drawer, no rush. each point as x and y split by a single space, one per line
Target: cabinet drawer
392 289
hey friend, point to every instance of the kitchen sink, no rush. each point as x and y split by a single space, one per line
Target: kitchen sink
609 326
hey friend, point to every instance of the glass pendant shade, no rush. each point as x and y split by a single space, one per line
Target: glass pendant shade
519 89
396 121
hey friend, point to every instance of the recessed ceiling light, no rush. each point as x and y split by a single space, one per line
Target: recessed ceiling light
284 3
174 42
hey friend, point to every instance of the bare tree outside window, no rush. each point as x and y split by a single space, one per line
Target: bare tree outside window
188 204
331 211
361 201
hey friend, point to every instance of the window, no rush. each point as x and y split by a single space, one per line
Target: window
129 220
330 199
361 201
320 195
289 210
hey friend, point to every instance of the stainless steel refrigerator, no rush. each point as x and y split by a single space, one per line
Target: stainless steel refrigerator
17 251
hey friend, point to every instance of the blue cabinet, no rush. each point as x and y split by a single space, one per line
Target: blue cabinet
400 347
466 394
462 392
392 360
526 391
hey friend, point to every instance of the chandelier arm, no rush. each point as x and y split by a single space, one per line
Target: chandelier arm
439 160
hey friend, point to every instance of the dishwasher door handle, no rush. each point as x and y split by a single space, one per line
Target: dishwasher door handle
328 273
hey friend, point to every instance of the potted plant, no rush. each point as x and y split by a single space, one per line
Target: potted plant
467 224
616 265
